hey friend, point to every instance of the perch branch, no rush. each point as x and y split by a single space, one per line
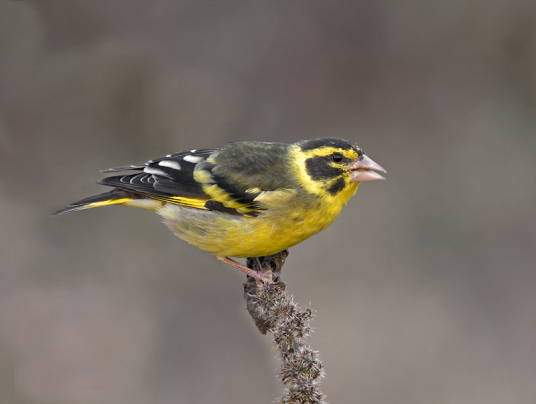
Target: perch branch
272 310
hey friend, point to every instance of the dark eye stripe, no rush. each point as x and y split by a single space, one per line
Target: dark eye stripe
319 168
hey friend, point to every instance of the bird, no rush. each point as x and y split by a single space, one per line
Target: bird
244 199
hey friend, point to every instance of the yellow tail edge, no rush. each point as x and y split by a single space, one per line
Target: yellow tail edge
96 201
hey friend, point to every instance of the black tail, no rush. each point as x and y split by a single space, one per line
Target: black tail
114 197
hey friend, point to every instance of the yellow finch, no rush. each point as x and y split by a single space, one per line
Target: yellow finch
245 199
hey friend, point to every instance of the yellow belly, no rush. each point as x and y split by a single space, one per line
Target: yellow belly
236 236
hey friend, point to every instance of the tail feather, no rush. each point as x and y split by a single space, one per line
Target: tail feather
114 197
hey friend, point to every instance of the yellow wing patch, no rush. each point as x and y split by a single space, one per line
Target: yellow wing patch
181 200
218 194
189 202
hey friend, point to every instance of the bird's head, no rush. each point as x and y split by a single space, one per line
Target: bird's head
334 166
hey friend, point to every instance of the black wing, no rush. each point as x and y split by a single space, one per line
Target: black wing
192 178
169 178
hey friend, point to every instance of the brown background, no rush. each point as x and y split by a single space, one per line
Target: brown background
424 288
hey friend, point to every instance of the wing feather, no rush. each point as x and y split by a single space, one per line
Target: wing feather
169 178
210 179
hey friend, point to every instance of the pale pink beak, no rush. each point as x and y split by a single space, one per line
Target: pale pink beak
361 170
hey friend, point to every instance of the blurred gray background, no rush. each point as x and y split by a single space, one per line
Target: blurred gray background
424 288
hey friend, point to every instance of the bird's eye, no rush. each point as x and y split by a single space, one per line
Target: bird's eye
337 157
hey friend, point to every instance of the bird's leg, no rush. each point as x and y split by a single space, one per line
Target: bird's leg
264 276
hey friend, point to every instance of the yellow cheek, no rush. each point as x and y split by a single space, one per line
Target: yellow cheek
319 187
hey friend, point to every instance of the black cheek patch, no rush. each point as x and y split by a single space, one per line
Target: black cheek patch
319 168
337 186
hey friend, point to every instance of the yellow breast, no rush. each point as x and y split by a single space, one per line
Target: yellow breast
278 227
